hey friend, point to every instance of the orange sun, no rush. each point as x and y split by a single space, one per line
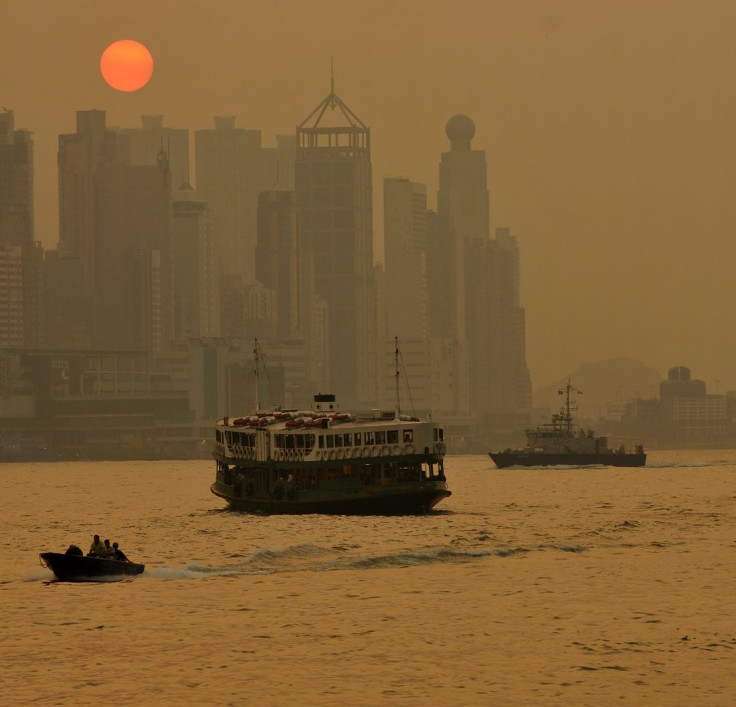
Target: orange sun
126 65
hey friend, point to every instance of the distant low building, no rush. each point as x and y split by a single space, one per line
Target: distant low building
684 415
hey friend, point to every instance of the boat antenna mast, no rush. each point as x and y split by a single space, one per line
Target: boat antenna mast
396 374
256 374
569 407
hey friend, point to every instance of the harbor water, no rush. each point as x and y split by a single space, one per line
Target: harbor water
574 586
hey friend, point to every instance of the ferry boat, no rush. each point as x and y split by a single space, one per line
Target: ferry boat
323 460
559 443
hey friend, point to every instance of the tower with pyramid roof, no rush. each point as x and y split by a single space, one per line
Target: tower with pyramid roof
334 198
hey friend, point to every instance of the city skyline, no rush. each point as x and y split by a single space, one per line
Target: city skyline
607 151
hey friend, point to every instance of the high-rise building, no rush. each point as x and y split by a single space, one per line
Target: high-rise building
278 163
19 297
334 198
68 309
81 154
277 257
463 199
483 284
146 143
229 178
406 294
11 296
16 183
115 218
501 387
196 282
134 265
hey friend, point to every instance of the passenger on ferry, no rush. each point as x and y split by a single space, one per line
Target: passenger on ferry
97 548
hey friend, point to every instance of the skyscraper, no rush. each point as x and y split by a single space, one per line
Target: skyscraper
16 183
115 219
334 198
21 284
405 248
11 296
81 154
134 266
463 200
145 144
229 178
483 283
277 257
196 282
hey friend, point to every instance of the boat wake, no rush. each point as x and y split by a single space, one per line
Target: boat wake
691 465
311 558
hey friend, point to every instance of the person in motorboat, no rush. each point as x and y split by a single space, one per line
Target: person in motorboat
119 554
74 550
97 548
108 553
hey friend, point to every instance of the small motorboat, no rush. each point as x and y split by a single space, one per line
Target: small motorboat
87 568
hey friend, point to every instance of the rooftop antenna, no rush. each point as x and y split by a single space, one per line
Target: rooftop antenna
332 77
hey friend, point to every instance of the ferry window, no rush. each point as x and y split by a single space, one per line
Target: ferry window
369 438
321 442
442 434
408 436
338 440
290 441
392 437
380 437
310 441
218 435
347 439
436 434
330 441
357 439
300 441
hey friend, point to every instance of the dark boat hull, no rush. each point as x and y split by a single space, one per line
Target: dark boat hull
397 501
507 459
82 568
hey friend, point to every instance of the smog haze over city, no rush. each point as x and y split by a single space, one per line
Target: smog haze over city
608 131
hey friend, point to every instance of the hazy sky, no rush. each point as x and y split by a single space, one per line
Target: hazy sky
608 129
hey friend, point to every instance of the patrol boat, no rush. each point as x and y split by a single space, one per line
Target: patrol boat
559 443
324 460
